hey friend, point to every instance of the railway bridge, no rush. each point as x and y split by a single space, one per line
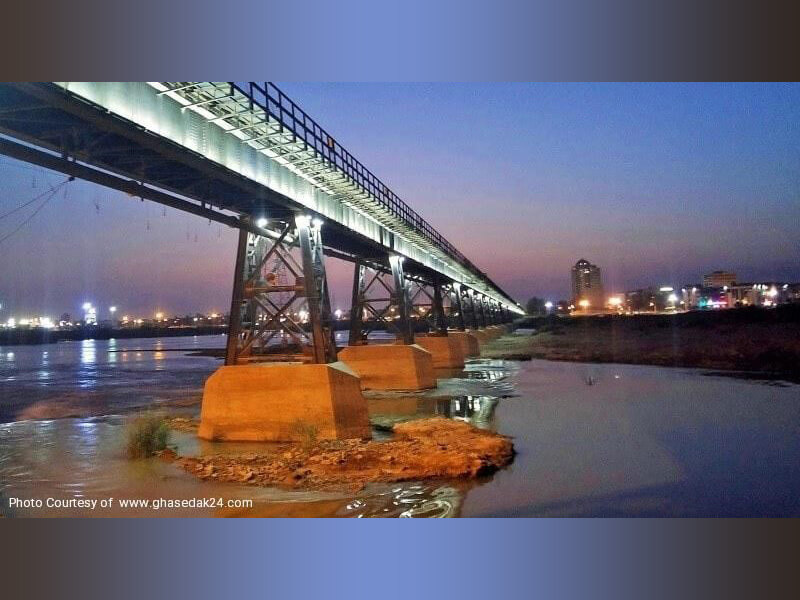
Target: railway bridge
246 155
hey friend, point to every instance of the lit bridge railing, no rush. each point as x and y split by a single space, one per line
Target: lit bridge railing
262 116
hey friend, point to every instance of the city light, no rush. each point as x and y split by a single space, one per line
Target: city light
159 315
112 309
548 305
89 314
614 301
584 304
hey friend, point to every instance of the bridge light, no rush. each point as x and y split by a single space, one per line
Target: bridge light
302 220
261 222
317 223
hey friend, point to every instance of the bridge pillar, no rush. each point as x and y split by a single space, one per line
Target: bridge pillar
381 296
482 310
470 313
479 317
468 342
456 302
280 378
493 309
428 302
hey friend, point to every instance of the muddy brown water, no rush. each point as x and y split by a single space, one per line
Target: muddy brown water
592 440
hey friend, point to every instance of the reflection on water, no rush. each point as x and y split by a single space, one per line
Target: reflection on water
414 500
643 441
83 457
95 377
476 409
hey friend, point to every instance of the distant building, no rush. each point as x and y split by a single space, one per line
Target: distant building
760 294
697 296
719 279
652 299
587 287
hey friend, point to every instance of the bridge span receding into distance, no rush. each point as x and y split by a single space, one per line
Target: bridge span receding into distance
244 154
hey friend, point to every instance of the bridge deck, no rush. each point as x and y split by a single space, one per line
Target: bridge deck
244 148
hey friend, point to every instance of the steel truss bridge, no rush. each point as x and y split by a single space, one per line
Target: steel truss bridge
244 154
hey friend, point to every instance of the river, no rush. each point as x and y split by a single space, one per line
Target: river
592 440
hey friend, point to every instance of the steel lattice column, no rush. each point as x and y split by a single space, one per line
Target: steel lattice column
480 316
391 280
357 305
426 303
316 289
402 300
456 301
439 318
468 298
269 283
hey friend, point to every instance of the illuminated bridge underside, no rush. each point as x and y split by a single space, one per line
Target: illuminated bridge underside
244 148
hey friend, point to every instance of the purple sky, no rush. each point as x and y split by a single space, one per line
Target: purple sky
655 183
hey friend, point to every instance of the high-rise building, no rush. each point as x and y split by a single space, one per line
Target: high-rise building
719 279
587 286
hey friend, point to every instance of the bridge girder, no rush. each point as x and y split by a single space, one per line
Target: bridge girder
75 137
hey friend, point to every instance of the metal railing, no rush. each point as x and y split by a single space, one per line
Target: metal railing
269 98
289 120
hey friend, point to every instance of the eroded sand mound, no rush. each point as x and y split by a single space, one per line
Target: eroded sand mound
423 449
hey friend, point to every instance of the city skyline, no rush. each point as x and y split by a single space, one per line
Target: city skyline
675 180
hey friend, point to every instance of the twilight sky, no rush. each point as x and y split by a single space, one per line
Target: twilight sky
656 183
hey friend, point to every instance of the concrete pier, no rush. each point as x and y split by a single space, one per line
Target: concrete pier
391 366
470 346
482 335
446 351
279 402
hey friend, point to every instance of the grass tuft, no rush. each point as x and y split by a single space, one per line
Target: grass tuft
146 436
